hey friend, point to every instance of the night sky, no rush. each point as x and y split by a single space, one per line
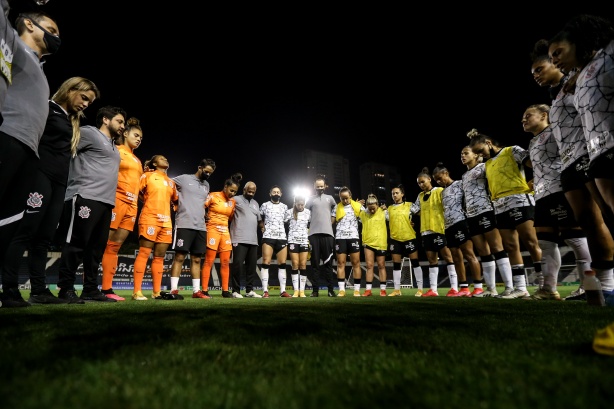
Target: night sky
252 87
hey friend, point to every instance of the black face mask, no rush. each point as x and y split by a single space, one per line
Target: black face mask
52 42
320 191
248 196
204 176
275 198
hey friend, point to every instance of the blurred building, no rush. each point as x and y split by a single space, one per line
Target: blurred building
335 168
378 179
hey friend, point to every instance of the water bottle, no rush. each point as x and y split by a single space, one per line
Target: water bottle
592 286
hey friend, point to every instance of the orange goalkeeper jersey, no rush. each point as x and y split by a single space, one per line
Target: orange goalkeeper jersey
158 192
128 178
220 211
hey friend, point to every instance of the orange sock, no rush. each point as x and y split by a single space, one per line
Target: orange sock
225 269
140 264
206 270
109 264
157 268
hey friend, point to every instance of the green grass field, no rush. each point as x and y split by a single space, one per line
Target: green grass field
306 353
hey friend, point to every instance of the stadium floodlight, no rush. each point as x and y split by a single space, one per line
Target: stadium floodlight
301 191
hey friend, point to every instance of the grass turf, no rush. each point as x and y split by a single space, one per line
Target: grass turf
305 352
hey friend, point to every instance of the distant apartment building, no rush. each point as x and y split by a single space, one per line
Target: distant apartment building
378 179
335 168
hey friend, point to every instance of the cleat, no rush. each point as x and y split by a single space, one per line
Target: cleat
452 293
176 294
170 295
367 293
301 294
252 294
418 293
296 294
577 295
265 294
96 295
382 293
157 296
284 294
542 294
226 294
395 293
138 296
516 293
331 293
506 292
200 294
477 292
357 293
111 294
46 297
430 293
464 292
314 294
341 293
490 292
236 295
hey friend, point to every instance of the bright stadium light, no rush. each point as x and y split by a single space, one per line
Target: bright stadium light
301 191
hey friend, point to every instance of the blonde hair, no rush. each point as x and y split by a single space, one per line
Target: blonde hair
61 97
372 199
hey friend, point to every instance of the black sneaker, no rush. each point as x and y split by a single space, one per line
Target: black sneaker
46 297
71 296
11 298
331 293
95 295
226 294
314 294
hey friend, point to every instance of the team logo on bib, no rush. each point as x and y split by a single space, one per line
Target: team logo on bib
150 231
84 212
35 200
180 242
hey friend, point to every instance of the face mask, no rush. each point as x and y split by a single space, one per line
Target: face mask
248 196
275 198
52 42
204 176
320 191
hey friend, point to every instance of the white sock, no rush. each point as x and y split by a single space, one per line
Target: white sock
175 283
606 278
452 276
281 274
433 274
579 246
519 281
505 269
264 277
369 286
357 286
303 280
382 286
488 271
419 277
294 281
341 285
396 278
551 263
195 284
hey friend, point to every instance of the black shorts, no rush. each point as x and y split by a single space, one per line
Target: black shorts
277 244
298 248
601 167
575 176
347 246
457 234
482 223
378 253
554 211
190 241
434 241
512 218
404 248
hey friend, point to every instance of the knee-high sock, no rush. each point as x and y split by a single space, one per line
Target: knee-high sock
294 275
281 275
518 277
505 268
302 279
205 272
452 276
489 267
579 246
418 273
157 268
140 264
551 263
264 277
225 269
109 263
433 276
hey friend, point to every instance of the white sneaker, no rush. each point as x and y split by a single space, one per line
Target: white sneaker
236 295
252 294
490 292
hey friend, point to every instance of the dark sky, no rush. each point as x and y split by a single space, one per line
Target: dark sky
253 87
